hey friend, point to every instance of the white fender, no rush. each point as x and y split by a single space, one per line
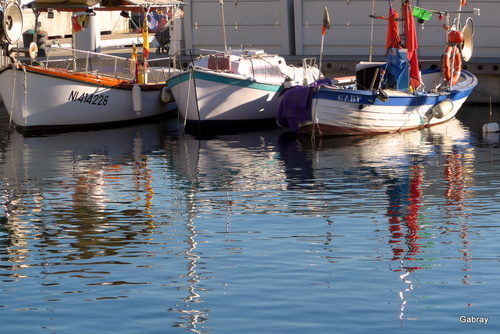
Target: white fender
166 95
137 99
443 108
491 127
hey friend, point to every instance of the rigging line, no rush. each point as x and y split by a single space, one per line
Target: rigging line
276 67
114 27
484 93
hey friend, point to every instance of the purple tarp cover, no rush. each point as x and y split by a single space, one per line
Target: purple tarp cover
295 106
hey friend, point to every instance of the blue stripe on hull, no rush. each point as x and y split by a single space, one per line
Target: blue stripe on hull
360 97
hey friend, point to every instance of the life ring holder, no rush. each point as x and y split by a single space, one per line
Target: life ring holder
452 59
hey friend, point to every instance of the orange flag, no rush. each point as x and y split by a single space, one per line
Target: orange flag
393 38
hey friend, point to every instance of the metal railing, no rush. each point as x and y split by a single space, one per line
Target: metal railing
88 62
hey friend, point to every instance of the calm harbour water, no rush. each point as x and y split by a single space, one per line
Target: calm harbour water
146 230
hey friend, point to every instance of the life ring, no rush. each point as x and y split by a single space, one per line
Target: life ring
452 56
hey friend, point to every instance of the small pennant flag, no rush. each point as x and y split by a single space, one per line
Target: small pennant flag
326 22
145 37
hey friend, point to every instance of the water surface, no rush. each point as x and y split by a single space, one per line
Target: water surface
144 229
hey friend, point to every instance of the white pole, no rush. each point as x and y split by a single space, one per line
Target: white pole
321 52
223 24
89 39
324 28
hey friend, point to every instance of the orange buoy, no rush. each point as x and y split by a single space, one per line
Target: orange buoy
452 60
455 37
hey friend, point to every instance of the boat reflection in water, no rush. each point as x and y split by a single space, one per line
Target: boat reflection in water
189 230
399 164
250 171
77 185
243 162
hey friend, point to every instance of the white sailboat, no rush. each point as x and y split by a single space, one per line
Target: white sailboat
235 89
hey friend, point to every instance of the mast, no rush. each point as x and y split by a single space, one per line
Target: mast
223 24
404 5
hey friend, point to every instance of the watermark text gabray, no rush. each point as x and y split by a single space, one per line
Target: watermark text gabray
470 319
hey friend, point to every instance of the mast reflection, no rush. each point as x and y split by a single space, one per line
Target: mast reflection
192 315
458 173
405 201
397 164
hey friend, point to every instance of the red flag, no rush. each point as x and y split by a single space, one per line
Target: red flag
76 25
392 30
411 45
326 22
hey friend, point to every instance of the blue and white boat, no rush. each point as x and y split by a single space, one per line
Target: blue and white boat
387 96
235 89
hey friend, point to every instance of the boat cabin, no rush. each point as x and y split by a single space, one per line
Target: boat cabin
248 63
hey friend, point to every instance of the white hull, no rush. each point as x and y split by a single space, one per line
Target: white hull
35 99
202 96
240 89
338 111
376 118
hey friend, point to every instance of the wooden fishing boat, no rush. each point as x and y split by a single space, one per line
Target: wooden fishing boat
387 96
78 88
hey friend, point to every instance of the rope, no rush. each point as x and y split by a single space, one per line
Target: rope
14 66
25 94
314 119
496 97
187 96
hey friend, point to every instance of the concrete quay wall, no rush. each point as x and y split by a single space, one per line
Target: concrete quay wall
293 28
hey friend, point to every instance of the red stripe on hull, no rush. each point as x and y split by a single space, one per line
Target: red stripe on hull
332 130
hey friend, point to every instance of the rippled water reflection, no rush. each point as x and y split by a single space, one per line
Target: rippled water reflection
145 230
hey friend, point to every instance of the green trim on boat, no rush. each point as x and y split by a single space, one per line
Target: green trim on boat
178 79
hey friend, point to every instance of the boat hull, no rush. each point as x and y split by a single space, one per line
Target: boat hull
208 100
340 112
36 98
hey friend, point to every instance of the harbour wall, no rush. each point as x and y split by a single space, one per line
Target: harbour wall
292 28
